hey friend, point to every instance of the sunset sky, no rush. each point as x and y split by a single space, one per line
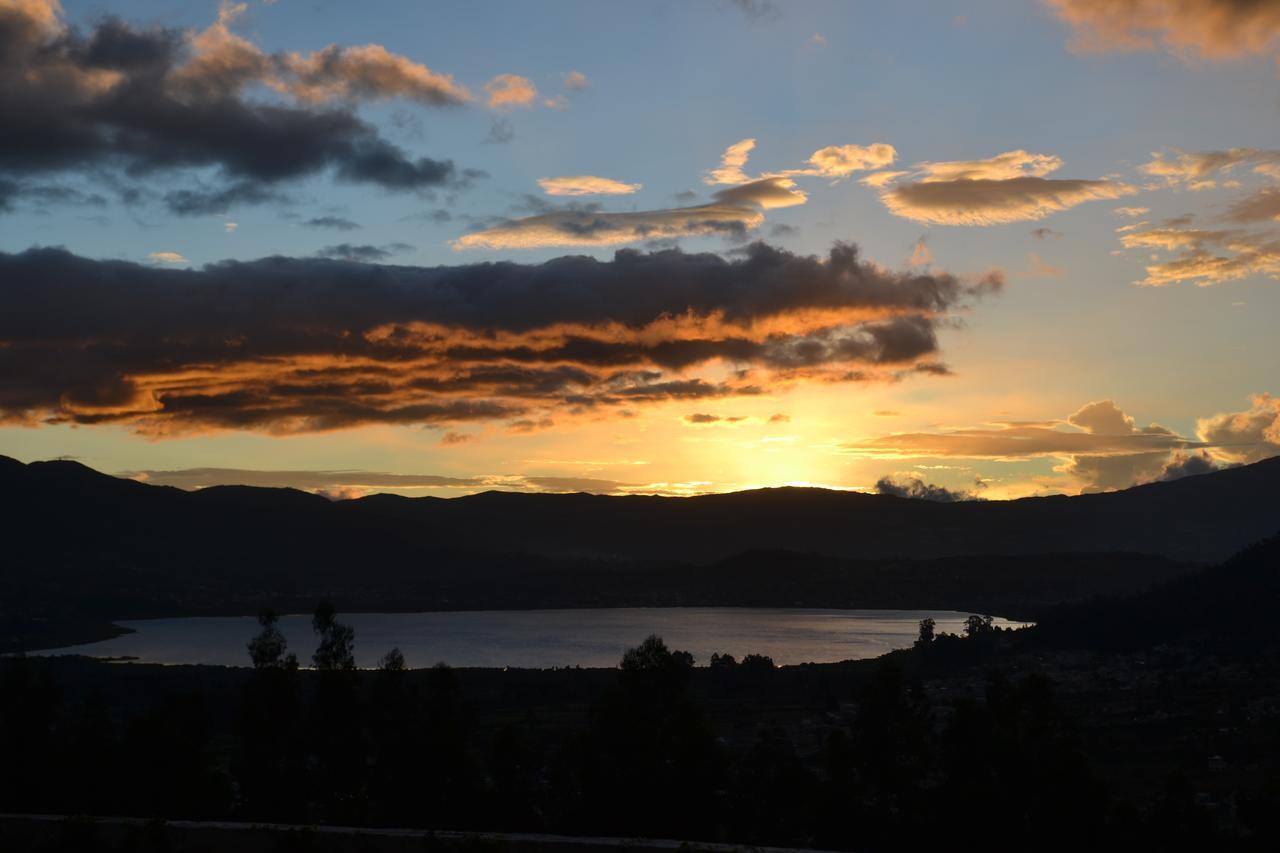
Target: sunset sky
1003 248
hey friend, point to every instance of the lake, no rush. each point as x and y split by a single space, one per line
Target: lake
541 638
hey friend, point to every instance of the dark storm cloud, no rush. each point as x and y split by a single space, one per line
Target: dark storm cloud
914 487
337 223
203 202
13 191
363 253
296 344
148 100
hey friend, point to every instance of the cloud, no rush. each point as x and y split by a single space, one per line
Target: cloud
705 419
576 228
150 100
1260 206
501 132
734 212
1197 170
1042 269
839 161
205 201
167 258
731 163
451 438
287 345
230 227
576 185
1131 212
576 81
337 223
1045 234
900 486
510 90
1188 465
1100 446
1206 256
920 254
1009 187
1247 436
1002 167
366 72
879 180
766 194
351 484
363 254
14 190
310 481
1217 29
833 161
755 10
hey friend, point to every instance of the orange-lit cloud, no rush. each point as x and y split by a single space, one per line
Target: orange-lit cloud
510 90
1206 256
1217 29
731 162
1099 446
833 161
1198 170
1247 436
220 62
295 345
735 212
994 202
576 185
1260 206
1008 187
578 228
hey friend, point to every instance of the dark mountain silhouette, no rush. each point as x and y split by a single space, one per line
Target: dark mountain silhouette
80 544
1204 518
1228 607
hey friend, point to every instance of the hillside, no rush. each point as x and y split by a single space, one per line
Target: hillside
87 548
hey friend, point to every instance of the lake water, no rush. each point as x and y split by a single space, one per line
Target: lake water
542 638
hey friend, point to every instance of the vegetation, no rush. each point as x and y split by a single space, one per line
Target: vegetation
902 759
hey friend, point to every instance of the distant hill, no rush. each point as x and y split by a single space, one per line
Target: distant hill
1231 606
78 542
1205 518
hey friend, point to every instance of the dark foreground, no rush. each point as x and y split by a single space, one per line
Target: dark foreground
57 832
1148 722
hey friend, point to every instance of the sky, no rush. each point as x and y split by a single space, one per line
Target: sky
940 250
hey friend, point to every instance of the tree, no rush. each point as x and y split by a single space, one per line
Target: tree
337 721
270 766
648 763
976 626
927 627
267 650
392 661
337 641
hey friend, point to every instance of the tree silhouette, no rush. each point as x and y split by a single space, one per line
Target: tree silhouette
978 626
648 762
337 641
337 722
927 628
267 650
